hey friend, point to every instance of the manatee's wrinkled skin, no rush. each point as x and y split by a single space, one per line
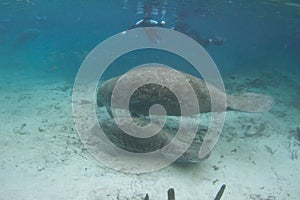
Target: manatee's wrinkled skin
143 145
149 94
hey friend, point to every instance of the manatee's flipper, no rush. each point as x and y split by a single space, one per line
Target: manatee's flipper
99 103
109 111
250 102
98 99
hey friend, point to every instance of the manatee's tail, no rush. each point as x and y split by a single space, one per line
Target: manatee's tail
250 102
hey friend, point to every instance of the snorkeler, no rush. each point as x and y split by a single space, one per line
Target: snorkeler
183 28
147 20
180 24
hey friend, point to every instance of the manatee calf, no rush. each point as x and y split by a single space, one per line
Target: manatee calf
152 93
157 142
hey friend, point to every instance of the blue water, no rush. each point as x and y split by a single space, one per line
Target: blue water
257 34
47 41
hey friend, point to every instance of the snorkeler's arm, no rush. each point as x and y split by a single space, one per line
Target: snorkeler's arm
204 41
196 36
207 41
186 29
217 40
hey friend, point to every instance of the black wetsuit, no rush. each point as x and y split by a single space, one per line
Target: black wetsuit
185 29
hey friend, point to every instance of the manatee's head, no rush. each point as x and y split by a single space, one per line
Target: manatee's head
191 155
105 92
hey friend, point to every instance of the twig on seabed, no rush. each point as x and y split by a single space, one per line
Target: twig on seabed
171 194
220 193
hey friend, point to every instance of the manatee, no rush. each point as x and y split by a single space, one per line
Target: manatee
144 145
150 94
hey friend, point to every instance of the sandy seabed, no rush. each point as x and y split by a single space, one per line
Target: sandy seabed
42 157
